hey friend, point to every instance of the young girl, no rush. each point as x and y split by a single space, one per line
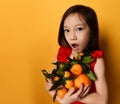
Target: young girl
79 32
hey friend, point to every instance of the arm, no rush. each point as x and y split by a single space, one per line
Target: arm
101 94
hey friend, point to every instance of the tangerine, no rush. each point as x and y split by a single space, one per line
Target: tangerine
82 78
81 53
69 84
61 92
67 74
76 69
61 65
56 78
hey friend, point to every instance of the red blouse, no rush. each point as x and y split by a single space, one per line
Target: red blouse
64 53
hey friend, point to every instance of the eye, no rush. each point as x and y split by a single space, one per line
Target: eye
79 28
66 30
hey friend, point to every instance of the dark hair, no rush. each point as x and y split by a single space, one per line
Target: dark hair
90 17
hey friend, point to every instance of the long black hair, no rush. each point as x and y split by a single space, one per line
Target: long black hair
90 17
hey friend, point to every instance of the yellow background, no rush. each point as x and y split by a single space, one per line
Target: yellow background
28 43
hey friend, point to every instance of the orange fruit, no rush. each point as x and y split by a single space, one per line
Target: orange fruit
56 78
61 92
82 78
61 65
81 53
69 84
76 69
67 74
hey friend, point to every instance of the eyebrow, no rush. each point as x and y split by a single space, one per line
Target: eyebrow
75 25
80 24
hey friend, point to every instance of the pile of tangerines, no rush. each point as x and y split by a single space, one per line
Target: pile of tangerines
70 74
80 77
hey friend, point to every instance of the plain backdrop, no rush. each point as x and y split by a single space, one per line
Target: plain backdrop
28 44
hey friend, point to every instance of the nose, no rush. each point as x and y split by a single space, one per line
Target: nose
73 36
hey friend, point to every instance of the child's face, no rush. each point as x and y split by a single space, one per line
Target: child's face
76 32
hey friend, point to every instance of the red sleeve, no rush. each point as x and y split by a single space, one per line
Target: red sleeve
77 103
63 54
95 55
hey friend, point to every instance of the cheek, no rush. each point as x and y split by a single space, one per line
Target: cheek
84 40
67 37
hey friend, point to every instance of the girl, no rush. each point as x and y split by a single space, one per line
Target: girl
79 32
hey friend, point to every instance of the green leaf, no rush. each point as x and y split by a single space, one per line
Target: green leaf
60 72
46 80
67 66
74 62
56 85
63 80
83 66
87 60
85 69
56 63
46 74
79 57
71 78
54 71
70 59
91 75
87 65
54 97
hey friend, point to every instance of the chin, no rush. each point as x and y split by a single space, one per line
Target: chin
77 51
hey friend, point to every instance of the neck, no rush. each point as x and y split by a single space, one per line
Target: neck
73 54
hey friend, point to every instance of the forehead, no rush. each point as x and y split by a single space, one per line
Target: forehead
74 19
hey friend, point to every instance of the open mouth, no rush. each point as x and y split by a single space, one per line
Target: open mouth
75 46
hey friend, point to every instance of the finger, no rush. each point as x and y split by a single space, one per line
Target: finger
52 93
67 95
85 93
48 85
58 99
85 88
81 90
70 92
78 92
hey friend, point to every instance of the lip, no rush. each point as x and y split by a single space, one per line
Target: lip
75 46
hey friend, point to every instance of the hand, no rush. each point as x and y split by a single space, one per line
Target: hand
48 86
83 91
73 96
69 98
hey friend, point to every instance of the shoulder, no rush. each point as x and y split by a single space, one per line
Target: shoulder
97 54
100 64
